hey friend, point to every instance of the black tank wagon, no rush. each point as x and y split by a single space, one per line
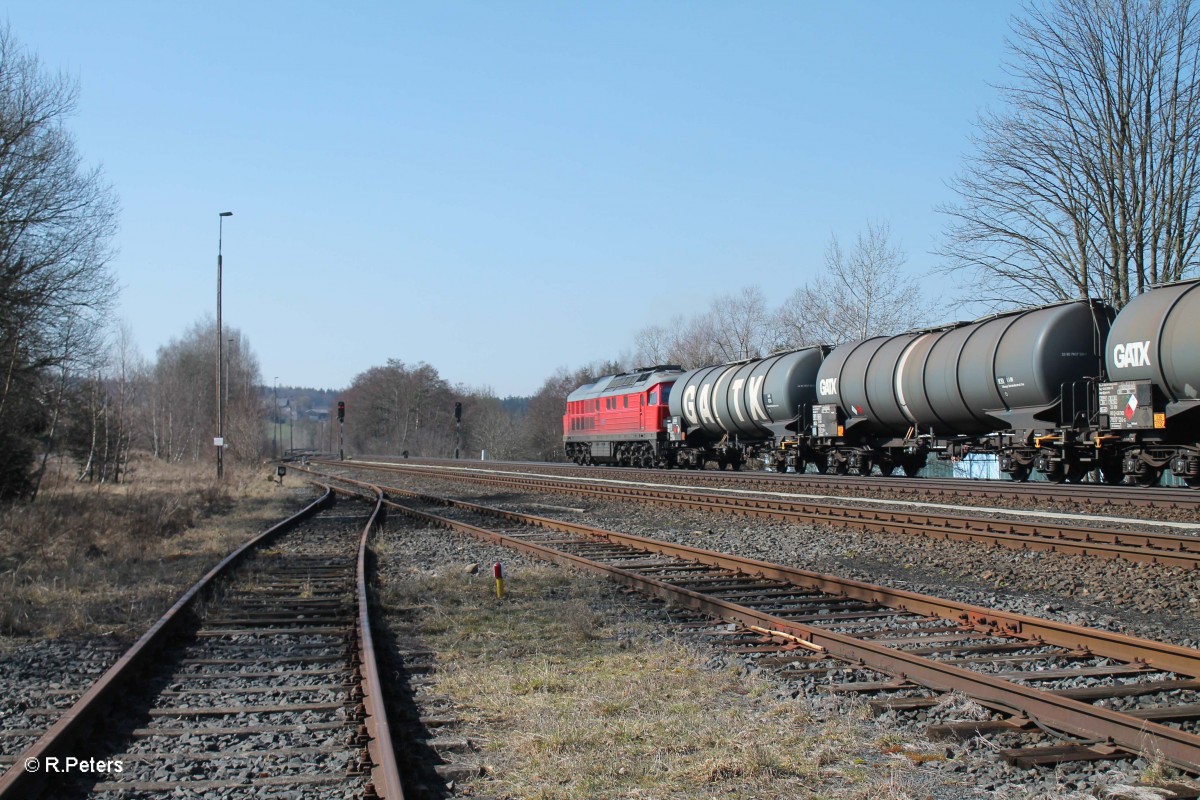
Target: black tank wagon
1004 383
1149 409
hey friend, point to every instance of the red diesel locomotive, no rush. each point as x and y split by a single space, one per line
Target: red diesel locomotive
621 419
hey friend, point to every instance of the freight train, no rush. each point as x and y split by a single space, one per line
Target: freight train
1068 390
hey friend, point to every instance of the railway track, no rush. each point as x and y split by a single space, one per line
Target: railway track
1084 494
1092 693
1042 533
260 681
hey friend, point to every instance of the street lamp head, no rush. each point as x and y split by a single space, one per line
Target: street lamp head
225 214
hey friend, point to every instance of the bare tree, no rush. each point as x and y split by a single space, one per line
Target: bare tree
689 342
399 408
183 406
652 345
1088 183
861 293
56 221
741 324
489 426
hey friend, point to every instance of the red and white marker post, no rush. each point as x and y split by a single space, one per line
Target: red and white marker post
498 572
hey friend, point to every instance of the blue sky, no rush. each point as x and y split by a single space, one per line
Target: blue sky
503 188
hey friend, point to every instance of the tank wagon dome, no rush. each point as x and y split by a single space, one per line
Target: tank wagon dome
1156 337
1007 370
748 399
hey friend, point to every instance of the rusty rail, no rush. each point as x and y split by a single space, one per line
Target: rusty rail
385 774
1176 550
1092 494
87 713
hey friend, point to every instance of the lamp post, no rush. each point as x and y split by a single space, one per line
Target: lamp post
275 419
229 369
220 440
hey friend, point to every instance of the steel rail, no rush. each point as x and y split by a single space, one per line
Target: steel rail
1054 711
77 722
1083 493
385 773
1176 550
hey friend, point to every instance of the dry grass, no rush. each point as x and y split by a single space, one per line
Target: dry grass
86 559
570 697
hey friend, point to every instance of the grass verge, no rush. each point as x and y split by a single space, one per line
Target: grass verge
108 559
570 692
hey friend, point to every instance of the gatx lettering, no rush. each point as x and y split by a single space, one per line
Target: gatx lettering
828 386
1131 354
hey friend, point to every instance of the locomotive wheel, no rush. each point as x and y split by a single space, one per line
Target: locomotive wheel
1193 482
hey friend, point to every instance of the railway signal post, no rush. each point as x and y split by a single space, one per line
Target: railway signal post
341 427
457 428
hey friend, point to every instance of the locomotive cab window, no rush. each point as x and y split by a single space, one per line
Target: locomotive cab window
653 401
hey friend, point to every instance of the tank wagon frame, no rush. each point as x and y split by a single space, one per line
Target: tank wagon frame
1067 390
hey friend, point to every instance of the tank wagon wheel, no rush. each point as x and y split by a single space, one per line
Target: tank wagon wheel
864 466
913 468
838 467
821 462
1021 473
1056 474
1194 483
886 466
1147 475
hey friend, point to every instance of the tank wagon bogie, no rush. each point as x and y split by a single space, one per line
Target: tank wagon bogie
1067 390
